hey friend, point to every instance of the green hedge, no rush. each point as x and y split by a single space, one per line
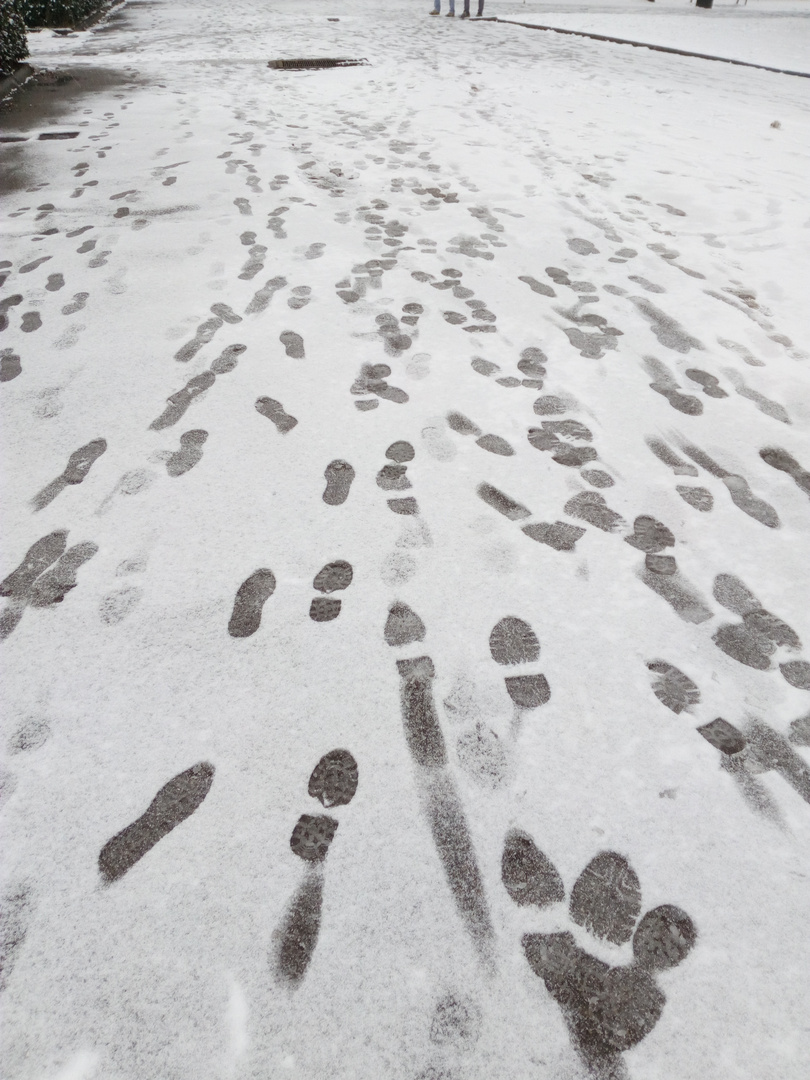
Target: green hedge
58 12
13 43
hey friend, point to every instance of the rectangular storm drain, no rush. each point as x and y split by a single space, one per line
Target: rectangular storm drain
316 62
58 135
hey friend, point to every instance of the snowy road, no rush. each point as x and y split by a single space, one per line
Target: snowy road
407 495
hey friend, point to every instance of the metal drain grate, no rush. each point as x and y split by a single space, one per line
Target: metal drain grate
315 62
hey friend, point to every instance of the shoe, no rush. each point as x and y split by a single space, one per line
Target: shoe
433 13
464 15
450 15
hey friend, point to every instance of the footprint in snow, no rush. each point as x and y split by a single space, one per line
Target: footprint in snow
513 642
179 402
660 572
393 478
439 798
301 295
672 687
78 302
176 801
761 749
254 263
250 599
339 475
189 454
665 384
493 443
54 585
16 909
607 1009
79 464
116 606
33 583
760 634
784 462
737 486
372 380
333 783
560 535
547 438
334 577
275 412
205 332
293 344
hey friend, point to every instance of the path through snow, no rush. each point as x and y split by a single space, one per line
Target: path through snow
406 484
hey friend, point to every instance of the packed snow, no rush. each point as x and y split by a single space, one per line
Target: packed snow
407 490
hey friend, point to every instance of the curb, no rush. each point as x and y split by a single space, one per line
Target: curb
644 45
15 80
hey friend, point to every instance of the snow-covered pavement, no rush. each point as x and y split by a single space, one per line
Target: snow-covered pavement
406 647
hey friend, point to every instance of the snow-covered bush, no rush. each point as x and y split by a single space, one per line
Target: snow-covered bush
58 12
13 44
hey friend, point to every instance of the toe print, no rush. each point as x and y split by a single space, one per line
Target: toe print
513 641
334 783
175 802
250 599
333 577
607 1009
339 476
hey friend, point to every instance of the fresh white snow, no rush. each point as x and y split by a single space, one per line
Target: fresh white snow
676 189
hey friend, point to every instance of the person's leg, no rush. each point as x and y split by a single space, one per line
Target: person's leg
437 7
452 11
480 8
466 12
